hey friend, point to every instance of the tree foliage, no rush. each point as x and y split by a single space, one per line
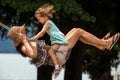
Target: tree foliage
64 7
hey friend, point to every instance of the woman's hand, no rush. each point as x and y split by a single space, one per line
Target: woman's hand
22 37
27 47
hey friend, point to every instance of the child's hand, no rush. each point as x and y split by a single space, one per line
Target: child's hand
32 39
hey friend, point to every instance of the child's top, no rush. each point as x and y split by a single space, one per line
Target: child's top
56 36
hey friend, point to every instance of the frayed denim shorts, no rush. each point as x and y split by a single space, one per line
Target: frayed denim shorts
62 54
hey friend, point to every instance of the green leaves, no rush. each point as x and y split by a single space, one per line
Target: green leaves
68 7
76 11
21 6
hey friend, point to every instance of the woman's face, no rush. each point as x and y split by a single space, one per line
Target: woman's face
21 36
41 19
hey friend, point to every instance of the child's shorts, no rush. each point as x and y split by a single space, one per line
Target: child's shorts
62 54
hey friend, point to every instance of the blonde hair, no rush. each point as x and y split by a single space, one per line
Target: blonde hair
45 10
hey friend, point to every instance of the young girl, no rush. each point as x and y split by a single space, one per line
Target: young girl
57 38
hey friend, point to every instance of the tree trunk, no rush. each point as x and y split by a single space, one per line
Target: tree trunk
45 73
73 69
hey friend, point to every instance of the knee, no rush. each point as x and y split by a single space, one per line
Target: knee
51 51
79 30
74 29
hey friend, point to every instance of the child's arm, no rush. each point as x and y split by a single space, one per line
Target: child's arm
42 32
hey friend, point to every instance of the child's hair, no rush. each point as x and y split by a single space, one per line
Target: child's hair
45 10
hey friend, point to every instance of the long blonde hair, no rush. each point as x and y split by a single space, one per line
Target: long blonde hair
46 10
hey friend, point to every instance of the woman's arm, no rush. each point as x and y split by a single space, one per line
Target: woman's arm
28 49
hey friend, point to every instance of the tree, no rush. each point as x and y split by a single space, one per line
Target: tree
105 11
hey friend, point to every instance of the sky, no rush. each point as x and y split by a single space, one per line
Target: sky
6 46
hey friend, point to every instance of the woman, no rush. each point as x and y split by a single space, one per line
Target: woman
38 50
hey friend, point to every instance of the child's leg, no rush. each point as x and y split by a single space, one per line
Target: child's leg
52 53
54 59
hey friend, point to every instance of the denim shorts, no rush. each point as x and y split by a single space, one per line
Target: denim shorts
62 54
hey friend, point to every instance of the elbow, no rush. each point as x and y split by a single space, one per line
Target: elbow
32 55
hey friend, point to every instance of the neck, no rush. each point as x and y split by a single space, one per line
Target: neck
46 19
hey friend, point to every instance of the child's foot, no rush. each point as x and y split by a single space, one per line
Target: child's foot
114 38
57 71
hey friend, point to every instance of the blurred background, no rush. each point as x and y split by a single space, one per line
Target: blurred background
96 17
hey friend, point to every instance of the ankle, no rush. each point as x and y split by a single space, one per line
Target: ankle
57 66
108 43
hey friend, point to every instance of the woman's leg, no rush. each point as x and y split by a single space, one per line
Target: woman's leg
72 30
87 38
104 38
75 35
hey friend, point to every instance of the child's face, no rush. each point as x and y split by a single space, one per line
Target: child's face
41 19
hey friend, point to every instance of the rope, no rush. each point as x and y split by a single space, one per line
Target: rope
7 28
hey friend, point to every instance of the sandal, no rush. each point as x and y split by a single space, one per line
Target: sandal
57 71
106 36
115 38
